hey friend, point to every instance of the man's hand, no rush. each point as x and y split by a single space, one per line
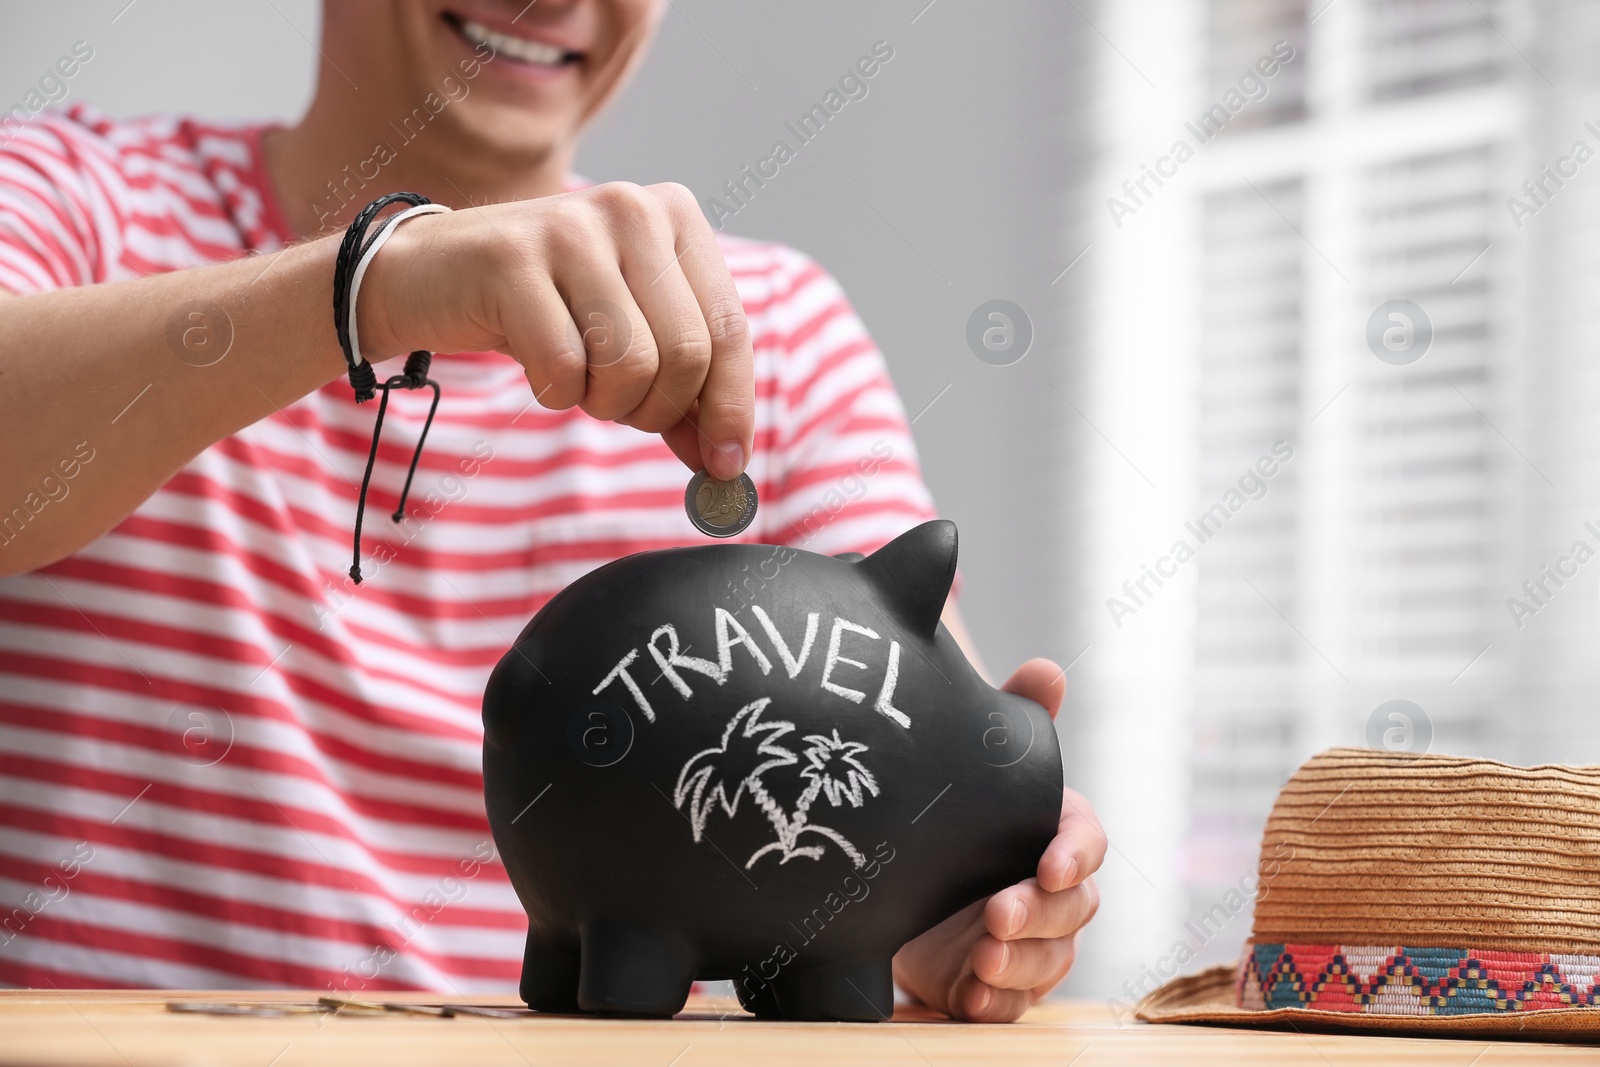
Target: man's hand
614 299
991 960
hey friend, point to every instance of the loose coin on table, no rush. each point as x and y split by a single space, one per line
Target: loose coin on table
339 1006
259 1010
720 509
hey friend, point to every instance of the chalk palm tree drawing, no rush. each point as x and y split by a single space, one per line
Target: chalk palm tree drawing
723 775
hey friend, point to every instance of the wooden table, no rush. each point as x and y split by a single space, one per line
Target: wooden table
132 1029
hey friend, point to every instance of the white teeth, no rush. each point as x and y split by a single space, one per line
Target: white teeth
515 47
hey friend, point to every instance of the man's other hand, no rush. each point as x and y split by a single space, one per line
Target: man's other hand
994 958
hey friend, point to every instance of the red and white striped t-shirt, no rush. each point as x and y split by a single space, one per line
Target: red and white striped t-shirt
221 763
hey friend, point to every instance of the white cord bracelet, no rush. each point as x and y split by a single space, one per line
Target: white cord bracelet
389 225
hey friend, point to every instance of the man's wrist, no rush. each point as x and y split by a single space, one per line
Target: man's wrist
388 307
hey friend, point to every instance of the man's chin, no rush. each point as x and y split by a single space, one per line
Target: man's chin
508 138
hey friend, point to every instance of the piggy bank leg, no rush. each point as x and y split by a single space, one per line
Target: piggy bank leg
757 999
634 970
550 974
859 992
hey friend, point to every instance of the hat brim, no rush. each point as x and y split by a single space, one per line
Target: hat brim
1207 998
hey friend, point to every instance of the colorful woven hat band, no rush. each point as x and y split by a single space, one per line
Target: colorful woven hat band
1404 980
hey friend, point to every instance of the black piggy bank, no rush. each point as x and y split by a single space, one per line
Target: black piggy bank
754 763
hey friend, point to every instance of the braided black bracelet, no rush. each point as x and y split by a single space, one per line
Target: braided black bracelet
355 254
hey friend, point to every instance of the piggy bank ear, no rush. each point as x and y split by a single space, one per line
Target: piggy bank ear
913 573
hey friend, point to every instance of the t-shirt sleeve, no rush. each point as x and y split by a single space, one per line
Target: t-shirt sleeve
847 477
48 239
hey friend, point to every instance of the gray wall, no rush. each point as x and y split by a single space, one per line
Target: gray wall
234 60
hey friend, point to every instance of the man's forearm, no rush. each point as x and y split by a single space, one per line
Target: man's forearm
143 375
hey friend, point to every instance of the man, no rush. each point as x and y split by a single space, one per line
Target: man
226 764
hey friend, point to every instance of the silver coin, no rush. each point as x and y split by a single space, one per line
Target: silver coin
720 509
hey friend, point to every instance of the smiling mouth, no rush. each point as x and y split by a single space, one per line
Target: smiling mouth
519 49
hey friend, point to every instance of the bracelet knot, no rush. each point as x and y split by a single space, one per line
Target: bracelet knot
356 253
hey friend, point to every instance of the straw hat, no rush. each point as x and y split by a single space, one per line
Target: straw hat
1429 894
